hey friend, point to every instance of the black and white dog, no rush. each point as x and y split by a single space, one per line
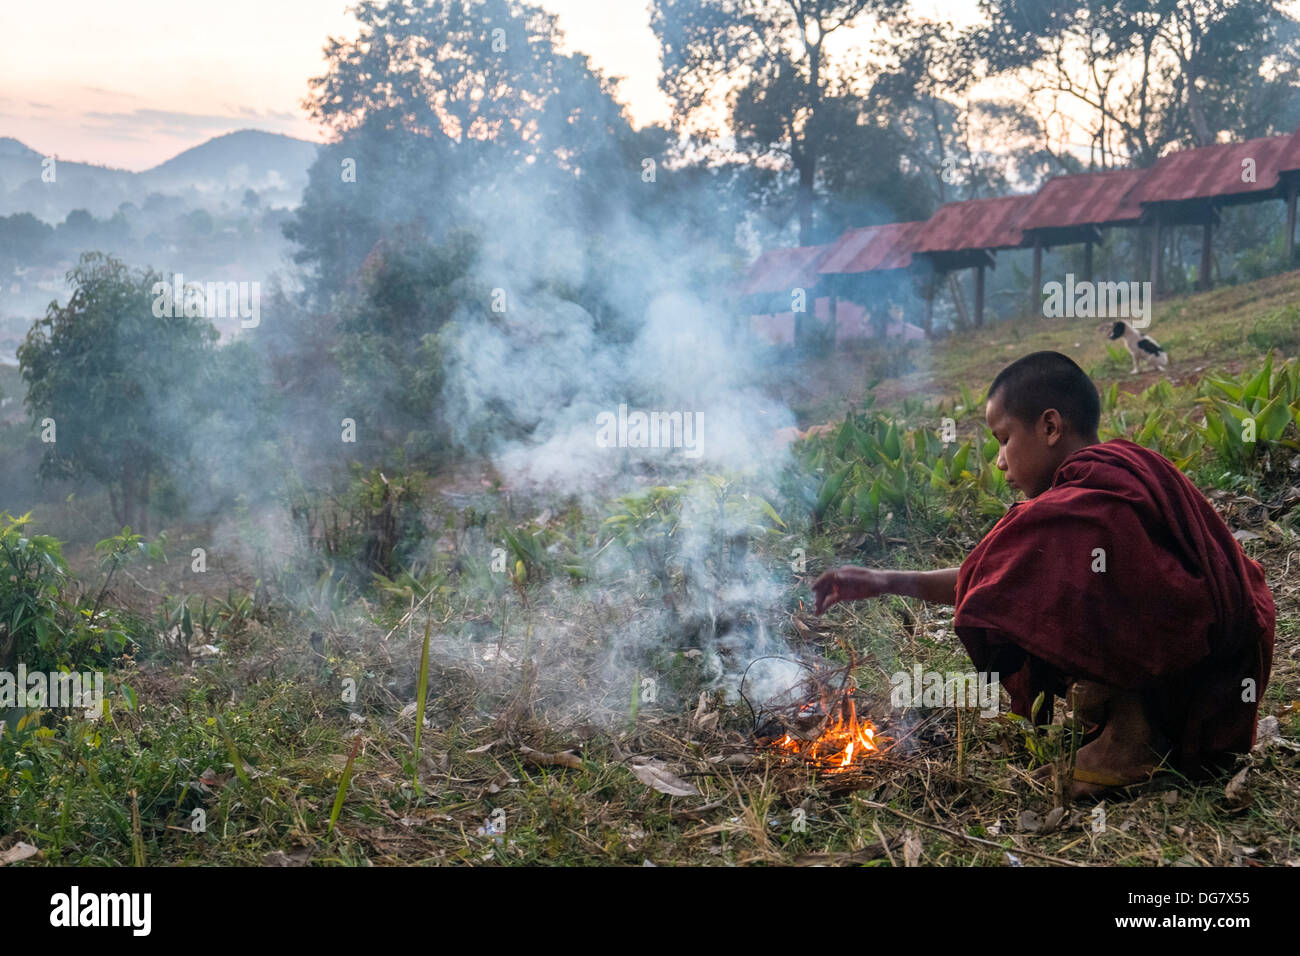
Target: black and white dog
1140 345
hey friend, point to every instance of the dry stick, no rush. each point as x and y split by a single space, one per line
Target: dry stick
964 836
407 617
884 844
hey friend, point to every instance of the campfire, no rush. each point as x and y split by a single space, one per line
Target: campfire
844 740
824 732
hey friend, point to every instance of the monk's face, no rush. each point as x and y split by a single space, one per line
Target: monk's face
1028 453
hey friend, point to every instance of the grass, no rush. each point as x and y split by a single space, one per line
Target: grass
1224 329
276 752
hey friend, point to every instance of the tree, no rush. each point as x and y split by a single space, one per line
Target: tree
388 350
112 386
445 100
780 80
198 222
1140 76
23 237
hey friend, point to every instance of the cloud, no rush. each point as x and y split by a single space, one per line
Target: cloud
115 134
107 92
39 106
248 111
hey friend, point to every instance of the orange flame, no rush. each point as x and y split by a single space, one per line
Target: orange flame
839 744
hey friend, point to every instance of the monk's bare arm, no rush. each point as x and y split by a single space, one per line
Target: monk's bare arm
854 584
934 587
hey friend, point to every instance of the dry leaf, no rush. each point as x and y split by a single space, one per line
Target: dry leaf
704 719
1268 729
539 759
657 775
734 760
911 849
1236 789
16 853
501 780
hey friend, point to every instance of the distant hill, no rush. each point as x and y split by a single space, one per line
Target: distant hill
271 163
211 175
76 185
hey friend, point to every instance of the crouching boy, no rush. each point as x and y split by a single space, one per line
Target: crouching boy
1114 578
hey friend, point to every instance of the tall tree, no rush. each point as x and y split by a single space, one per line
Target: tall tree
962 146
113 386
771 62
433 105
1138 76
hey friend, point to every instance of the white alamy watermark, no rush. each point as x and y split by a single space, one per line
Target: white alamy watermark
75 908
1106 300
639 429
211 300
936 689
53 689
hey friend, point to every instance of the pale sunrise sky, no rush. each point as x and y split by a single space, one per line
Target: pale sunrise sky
131 83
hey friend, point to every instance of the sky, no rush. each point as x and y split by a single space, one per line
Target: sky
132 83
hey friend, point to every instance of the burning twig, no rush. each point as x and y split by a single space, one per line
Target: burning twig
823 728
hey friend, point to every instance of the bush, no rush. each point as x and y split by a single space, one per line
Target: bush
33 576
876 473
44 623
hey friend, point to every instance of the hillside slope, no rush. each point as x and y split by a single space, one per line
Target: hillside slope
1218 329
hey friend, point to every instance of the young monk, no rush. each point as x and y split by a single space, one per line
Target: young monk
1114 578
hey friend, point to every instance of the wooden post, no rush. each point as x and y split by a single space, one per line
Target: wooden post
1290 223
1036 288
931 287
979 296
1087 261
958 300
1207 239
1155 255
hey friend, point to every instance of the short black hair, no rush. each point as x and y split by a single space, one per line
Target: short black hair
1043 380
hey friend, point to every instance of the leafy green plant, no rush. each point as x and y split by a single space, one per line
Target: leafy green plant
646 525
873 468
210 620
33 575
44 622
1244 417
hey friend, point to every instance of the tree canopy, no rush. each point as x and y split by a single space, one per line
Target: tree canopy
113 387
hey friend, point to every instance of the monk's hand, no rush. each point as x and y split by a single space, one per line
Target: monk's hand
847 584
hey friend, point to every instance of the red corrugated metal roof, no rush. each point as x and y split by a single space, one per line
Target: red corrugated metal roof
1110 197
1085 199
872 249
1210 171
974 224
780 270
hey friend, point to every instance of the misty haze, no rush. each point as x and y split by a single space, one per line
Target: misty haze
464 469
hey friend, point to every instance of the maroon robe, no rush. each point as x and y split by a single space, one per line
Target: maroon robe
1180 613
